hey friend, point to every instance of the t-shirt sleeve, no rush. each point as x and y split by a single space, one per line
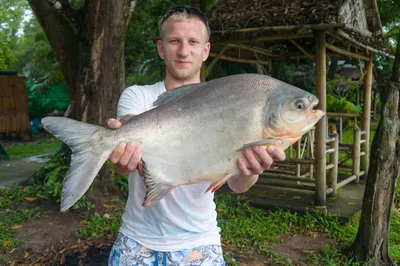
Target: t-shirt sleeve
130 102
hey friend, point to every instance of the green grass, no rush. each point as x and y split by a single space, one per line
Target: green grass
20 151
248 228
97 226
13 216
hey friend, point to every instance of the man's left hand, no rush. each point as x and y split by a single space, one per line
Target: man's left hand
257 159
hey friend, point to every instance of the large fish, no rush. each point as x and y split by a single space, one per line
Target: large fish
194 134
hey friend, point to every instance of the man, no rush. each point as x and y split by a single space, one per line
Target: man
181 229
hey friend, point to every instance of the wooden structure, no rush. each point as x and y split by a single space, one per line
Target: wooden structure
262 32
14 117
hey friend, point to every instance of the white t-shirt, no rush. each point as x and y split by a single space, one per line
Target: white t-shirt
185 217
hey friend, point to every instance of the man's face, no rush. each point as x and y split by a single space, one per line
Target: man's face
183 49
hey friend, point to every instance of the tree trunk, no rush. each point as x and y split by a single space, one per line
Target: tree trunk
89 45
372 240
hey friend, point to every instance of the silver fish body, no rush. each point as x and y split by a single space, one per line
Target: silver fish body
194 134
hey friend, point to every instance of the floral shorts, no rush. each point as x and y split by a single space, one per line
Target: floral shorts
128 252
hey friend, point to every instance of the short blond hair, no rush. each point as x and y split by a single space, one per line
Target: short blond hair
182 13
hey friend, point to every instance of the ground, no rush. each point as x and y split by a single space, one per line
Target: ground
51 240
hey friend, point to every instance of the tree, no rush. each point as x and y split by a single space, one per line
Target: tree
87 38
372 240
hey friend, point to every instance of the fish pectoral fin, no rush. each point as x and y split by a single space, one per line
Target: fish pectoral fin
264 142
217 184
156 189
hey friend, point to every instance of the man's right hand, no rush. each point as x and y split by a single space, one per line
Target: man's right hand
127 157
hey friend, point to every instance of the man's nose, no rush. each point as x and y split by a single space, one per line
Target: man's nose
184 49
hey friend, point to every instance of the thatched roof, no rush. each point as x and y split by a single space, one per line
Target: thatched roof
14 116
239 14
355 20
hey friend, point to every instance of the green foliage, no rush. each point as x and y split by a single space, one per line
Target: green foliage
394 236
7 57
46 146
84 204
12 195
47 182
97 226
45 96
120 180
11 217
337 105
249 228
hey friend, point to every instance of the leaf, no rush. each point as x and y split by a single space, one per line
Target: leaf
15 227
30 198
6 243
108 206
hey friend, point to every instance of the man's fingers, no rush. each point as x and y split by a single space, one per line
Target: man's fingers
126 157
113 123
254 162
265 158
117 153
243 168
276 154
135 158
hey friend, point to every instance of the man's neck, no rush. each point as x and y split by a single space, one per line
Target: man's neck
171 83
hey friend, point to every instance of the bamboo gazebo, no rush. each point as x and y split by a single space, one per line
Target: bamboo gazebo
262 32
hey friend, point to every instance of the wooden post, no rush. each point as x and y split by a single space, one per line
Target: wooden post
366 119
298 155
333 159
356 154
320 156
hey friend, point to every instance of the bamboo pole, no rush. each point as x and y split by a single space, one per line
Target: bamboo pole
238 60
251 48
333 159
265 38
301 48
348 115
345 53
366 120
283 177
279 28
298 153
369 48
356 154
321 127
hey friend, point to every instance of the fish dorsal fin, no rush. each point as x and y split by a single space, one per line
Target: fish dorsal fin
175 94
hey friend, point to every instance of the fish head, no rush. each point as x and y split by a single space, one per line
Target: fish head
289 113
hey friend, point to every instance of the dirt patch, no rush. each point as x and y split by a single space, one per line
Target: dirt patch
298 247
51 229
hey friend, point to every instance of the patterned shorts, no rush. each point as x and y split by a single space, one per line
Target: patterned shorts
128 252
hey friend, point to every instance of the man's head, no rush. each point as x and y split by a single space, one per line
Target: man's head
184 43
181 13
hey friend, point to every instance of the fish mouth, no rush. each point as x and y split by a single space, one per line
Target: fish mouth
315 112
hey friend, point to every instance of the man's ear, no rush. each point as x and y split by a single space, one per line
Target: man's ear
207 48
160 48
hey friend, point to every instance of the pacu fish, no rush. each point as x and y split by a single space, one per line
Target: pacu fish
195 133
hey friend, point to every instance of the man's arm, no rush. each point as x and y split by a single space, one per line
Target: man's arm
251 164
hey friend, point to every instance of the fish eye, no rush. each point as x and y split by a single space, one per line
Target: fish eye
299 105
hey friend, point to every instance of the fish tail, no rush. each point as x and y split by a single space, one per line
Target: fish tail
86 160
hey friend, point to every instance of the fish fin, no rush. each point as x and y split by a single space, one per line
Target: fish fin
216 185
86 160
156 190
264 142
175 94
